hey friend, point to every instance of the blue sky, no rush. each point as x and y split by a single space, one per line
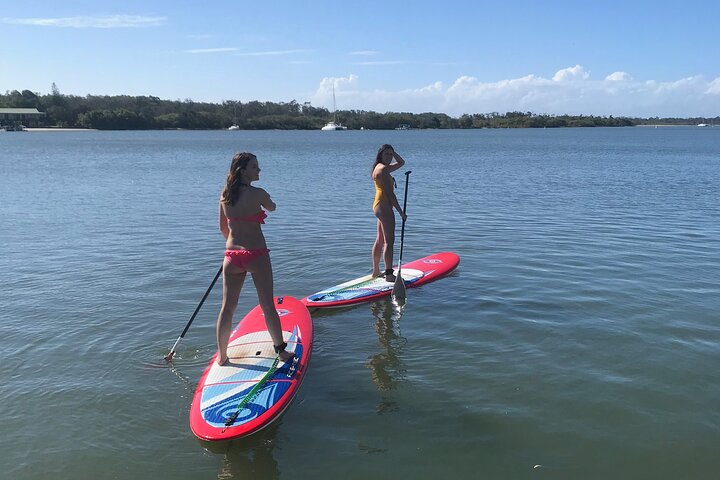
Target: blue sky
638 58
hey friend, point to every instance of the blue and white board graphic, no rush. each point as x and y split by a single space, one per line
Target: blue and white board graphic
366 288
254 387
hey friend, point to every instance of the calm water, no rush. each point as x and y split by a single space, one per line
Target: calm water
579 337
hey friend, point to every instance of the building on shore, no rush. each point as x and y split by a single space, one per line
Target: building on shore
11 118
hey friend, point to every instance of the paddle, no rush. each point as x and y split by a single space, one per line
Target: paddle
398 290
169 356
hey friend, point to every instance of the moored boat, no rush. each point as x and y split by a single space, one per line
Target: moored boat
333 124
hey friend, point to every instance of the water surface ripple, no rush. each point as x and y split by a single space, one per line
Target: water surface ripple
577 339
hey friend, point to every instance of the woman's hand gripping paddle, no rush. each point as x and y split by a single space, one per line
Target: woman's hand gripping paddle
169 356
398 291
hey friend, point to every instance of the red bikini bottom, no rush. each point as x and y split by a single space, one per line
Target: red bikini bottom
240 258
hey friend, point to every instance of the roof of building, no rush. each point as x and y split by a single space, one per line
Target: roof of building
21 111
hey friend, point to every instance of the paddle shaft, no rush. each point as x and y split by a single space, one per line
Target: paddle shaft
398 290
402 230
197 309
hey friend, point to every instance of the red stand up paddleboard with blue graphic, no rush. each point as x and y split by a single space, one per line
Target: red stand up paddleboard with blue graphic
367 288
254 387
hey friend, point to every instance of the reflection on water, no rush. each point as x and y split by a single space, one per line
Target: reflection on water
192 360
250 457
386 366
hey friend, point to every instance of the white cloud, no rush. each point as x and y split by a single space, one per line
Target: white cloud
618 77
212 50
107 21
714 87
327 84
436 87
270 53
366 53
572 73
382 62
570 91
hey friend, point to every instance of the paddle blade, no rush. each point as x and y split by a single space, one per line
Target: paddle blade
398 291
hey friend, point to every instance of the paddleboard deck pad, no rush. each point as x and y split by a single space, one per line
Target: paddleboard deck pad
367 288
254 387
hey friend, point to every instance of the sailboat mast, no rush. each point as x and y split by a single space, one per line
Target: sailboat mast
334 105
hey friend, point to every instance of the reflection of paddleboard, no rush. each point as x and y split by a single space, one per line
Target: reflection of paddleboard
367 288
253 389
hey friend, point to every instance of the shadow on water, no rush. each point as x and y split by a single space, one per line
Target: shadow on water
386 366
250 457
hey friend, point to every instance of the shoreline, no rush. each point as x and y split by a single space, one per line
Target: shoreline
59 129
666 125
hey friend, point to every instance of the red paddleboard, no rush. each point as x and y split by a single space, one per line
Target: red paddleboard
254 387
367 288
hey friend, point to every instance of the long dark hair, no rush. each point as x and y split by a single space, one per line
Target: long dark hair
231 192
378 157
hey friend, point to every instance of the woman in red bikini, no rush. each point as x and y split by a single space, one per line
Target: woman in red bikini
386 162
241 213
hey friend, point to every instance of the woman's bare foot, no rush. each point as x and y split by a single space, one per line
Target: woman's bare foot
389 276
223 362
282 353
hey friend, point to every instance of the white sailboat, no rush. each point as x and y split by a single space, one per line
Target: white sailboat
234 126
333 125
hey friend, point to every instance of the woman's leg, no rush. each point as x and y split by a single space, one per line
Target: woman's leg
261 270
233 279
377 250
386 217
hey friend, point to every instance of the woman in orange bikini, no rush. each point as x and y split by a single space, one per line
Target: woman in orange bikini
386 162
241 213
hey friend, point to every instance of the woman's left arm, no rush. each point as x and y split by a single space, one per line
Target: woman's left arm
224 229
388 187
266 202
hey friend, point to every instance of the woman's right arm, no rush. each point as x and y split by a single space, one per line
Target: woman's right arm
399 162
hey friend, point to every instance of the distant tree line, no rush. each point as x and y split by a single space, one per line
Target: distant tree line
123 112
532 120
